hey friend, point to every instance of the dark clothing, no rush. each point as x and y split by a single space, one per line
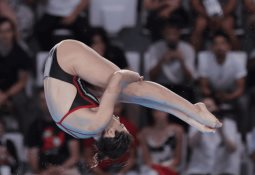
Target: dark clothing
11 149
11 64
170 142
155 23
49 23
51 141
250 83
117 56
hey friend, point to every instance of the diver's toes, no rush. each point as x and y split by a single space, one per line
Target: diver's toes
218 124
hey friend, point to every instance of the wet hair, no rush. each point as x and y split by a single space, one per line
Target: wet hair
221 33
112 147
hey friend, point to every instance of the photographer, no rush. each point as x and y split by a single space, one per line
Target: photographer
171 61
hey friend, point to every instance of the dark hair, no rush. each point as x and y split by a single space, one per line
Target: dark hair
97 31
221 33
151 120
171 24
113 147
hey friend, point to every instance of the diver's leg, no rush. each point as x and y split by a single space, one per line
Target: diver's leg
155 96
78 59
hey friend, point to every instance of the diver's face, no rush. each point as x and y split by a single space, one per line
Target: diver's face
115 125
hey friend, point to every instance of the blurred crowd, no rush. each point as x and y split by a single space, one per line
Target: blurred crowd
203 50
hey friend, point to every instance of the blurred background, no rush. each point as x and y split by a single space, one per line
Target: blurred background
203 50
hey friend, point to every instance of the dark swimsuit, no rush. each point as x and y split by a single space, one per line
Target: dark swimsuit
83 98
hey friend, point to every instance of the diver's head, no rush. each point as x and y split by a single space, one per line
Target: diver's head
114 141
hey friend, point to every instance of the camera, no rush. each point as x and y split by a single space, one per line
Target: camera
172 45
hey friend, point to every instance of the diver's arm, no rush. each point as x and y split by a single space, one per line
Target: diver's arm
119 80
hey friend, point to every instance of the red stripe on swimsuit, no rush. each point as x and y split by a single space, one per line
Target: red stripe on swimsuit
81 92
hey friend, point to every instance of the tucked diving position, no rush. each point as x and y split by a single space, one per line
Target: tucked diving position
81 89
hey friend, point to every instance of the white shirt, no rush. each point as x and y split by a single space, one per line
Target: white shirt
61 8
172 72
222 76
251 141
203 155
209 156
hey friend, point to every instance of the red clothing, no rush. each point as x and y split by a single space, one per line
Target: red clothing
163 170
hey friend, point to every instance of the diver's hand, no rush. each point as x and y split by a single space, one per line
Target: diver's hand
130 76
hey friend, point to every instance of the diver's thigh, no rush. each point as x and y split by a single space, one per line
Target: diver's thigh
59 97
79 59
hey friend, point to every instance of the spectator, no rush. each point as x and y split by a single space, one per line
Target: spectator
25 18
123 165
61 14
8 154
171 62
50 150
7 11
161 144
250 7
222 75
20 14
14 69
215 153
99 41
222 79
215 15
160 11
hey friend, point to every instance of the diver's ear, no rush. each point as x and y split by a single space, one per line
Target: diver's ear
110 132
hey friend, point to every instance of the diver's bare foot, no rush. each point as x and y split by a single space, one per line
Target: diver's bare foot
206 117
